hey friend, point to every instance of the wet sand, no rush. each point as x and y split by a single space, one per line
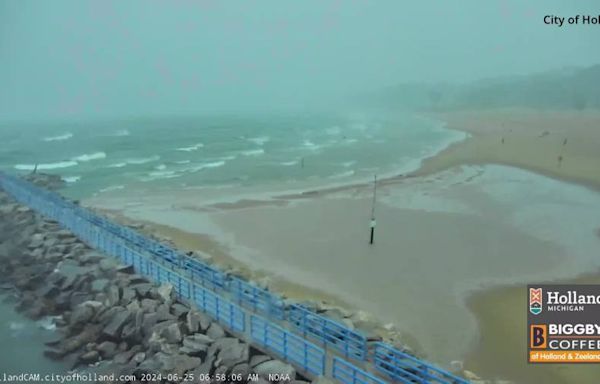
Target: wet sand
482 221
503 342
439 239
528 139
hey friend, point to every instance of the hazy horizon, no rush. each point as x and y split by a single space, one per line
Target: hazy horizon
88 60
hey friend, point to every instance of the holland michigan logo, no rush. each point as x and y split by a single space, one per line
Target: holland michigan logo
535 300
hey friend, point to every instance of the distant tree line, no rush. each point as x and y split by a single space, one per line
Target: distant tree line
576 89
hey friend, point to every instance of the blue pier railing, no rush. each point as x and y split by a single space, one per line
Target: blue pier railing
257 299
287 345
402 367
347 373
351 343
226 298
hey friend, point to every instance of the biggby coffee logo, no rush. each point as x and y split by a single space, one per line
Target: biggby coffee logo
535 300
537 333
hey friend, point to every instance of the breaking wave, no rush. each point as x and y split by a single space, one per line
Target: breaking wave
90 156
60 164
310 145
65 136
200 167
71 179
261 140
342 175
142 160
253 152
190 149
112 188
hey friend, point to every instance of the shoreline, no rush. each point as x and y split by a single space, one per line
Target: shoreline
443 160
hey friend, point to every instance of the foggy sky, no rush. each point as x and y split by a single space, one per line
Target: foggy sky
61 59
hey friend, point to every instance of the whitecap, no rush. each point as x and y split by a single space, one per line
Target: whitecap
90 156
112 188
60 164
159 175
261 140
161 167
192 148
65 136
253 152
144 160
347 164
48 323
182 162
163 174
310 145
200 167
289 163
215 164
71 179
117 165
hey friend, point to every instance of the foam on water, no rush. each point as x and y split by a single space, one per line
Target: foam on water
143 160
65 136
112 188
253 152
199 167
72 179
190 149
261 140
49 166
90 156
268 148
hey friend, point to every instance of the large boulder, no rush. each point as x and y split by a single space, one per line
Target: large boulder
178 310
195 344
234 354
197 321
172 333
165 292
115 325
215 331
258 359
81 314
107 349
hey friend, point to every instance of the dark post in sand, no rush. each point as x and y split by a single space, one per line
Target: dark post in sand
372 224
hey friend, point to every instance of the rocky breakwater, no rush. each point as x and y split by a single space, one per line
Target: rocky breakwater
111 320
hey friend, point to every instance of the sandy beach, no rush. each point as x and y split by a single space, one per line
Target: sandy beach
558 144
448 240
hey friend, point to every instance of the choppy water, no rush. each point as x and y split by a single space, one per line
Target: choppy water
22 342
221 150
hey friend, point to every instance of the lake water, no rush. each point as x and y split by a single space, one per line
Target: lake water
231 151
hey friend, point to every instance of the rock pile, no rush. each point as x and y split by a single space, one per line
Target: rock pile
109 317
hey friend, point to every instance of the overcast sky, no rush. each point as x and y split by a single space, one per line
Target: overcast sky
109 58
